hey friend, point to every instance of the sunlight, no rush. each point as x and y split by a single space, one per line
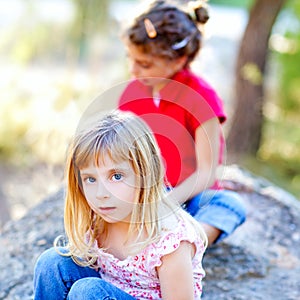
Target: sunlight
282 44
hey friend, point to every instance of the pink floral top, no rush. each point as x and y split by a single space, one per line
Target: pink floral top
137 275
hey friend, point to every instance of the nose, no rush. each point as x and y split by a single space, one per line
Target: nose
102 191
134 68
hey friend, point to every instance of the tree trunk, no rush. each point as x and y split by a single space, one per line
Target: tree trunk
245 134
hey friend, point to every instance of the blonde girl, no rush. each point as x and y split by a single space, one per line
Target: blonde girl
125 240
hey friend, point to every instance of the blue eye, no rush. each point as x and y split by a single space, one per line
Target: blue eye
90 179
117 177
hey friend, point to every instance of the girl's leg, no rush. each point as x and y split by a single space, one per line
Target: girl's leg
55 274
96 289
200 201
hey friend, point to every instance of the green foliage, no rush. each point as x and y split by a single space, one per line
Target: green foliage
15 125
236 3
290 73
276 172
37 118
44 88
279 155
32 40
33 128
91 18
288 56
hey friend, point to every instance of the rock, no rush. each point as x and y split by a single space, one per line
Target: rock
21 242
4 210
261 260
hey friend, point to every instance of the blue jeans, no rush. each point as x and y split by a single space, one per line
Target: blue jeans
222 209
58 277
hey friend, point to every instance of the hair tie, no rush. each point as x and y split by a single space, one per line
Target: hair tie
184 42
197 4
196 7
181 44
150 29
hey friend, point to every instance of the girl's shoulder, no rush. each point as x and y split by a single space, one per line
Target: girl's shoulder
178 226
199 85
174 231
196 82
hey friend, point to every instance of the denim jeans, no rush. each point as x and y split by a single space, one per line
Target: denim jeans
222 209
58 277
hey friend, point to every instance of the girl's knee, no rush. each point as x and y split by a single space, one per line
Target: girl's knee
239 205
45 259
87 288
51 264
234 202
49 258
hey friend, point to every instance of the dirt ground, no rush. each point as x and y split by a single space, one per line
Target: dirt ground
21 188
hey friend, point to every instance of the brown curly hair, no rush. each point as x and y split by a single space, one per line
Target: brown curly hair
176 31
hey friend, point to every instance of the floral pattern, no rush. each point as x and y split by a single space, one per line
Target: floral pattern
137 274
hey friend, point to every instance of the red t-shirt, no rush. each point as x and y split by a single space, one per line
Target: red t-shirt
186 102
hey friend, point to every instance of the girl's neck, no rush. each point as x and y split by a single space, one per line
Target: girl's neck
120 228
119 242
117 239
158 87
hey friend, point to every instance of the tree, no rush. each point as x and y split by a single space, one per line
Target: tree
91 17
246 127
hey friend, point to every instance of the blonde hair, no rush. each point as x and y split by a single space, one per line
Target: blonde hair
123 137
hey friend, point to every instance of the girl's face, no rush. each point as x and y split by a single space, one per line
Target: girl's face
152 70
110 189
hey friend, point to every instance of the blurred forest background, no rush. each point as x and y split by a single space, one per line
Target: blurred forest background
58 55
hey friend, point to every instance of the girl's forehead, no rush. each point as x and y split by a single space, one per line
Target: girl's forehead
107 162
136 50
151 54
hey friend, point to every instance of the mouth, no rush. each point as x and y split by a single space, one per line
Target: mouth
106 210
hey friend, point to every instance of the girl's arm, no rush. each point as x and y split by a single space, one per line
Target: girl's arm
176 274
207 147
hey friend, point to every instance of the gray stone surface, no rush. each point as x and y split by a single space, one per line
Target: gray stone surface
261 260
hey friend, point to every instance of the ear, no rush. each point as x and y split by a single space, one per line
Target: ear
181 62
